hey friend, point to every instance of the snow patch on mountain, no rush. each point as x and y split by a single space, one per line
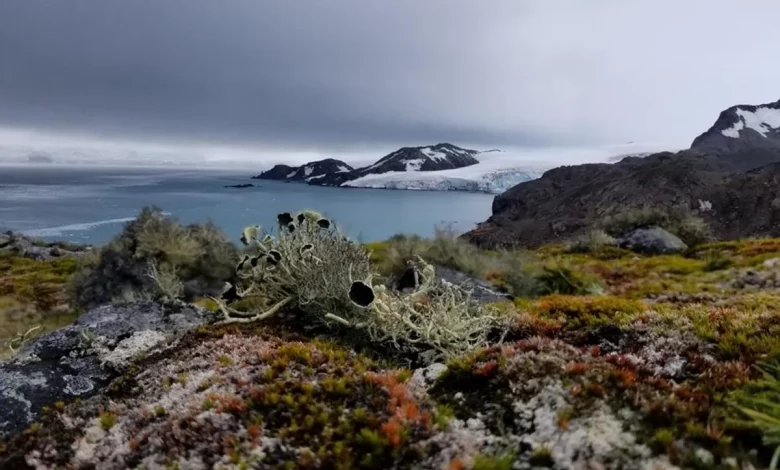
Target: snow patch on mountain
413 165
433 154
762 120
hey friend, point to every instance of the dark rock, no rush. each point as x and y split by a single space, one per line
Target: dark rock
5 239
481 290
310 172
19 245
240 186
652 241
80 360
730 180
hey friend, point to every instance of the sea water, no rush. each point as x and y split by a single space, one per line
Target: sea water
92 204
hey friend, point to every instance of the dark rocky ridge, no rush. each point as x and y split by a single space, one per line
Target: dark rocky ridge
731 182
331 172
309 172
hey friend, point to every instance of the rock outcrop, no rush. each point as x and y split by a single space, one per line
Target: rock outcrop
732 167
80 360
20 245
652 241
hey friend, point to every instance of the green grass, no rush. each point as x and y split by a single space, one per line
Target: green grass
33 293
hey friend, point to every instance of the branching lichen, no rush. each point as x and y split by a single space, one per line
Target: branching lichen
326 277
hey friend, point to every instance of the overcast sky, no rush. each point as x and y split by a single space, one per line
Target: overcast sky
341 76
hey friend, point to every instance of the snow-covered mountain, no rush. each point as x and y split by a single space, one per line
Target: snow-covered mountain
429 159
331 172
433 158
743 126
309 172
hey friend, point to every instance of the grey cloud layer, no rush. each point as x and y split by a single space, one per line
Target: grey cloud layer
343 73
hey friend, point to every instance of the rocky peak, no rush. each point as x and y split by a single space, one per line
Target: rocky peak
441 156
308 172
743 125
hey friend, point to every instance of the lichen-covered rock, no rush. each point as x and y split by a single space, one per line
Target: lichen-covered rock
81 359
19 245
652 241
481 291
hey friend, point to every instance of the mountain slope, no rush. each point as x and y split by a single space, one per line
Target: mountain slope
729 171
308 172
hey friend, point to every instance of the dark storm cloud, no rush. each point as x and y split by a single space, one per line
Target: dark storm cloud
340 73
313 72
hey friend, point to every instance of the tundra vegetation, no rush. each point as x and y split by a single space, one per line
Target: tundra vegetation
602 359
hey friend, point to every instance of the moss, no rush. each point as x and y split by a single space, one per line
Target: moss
499 462
590 312
107 420
206 303
225 360
443 415
664 437
759 403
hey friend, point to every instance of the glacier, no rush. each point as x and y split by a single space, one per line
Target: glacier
499 170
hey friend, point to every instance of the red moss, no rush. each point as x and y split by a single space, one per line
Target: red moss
487 369
576 368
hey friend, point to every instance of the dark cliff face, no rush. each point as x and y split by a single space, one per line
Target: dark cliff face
730 170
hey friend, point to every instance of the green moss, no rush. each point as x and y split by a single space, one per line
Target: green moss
759 403
587 311
664 437
107 420
443 415
224 360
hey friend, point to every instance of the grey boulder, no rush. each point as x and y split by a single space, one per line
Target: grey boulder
652 241
81 359
481 290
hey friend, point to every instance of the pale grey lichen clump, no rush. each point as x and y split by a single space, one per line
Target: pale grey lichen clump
311 267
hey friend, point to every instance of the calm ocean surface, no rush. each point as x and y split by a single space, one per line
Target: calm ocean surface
90 205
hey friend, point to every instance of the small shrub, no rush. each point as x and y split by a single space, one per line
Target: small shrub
166 279
716 261
591 241
199 255
560 279
509 270
682 222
